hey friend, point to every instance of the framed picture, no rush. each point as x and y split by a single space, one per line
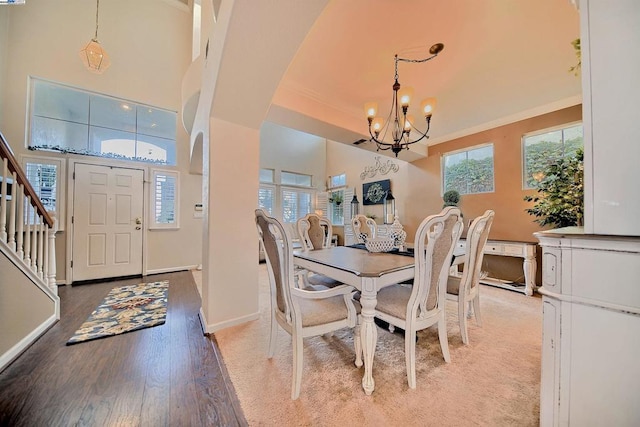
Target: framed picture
373 192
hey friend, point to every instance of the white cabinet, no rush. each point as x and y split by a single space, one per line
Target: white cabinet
591 329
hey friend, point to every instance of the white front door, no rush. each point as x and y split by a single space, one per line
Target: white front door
107 222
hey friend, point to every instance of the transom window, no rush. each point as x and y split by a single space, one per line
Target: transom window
293 178
543 148
338 180
71 120
469 171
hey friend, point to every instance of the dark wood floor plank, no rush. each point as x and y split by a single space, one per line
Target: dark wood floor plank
166 375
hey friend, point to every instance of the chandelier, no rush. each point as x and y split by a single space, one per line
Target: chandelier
94 57
398 123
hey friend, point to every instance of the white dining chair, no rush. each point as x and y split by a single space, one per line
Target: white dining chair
465 289
363 228
315 232
422 305
304 312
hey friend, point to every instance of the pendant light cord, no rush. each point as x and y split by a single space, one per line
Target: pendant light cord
97 9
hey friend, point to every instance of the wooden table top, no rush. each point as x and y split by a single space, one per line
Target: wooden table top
357 261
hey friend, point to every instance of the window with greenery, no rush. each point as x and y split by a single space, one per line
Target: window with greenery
164 199
541 149
336 207
469 171
71 120
45 176
336 195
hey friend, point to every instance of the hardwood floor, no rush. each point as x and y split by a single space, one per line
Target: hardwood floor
165 375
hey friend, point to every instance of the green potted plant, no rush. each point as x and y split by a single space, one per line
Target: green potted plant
560 195
451 198
336 198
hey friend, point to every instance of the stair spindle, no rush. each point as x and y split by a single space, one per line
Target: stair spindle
20 222
12 213
27 233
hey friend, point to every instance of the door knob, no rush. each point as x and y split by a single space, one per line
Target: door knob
138 227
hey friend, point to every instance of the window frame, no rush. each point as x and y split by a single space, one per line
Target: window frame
61 173
138 136
523 159
283 172
274 194
298 190
333 186
467 149
153 223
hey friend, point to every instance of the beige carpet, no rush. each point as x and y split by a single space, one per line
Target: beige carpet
494 381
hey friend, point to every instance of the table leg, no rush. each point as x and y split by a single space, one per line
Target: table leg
529 267
368 332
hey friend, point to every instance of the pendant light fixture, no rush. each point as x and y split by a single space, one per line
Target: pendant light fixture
93 55
398 123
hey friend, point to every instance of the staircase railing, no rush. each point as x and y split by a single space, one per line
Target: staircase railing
26 226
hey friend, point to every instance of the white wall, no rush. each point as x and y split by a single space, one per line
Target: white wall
342 158
4 38
23 306
149 43
285 149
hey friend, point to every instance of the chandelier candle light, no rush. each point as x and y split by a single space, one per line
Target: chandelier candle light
403 123
94 57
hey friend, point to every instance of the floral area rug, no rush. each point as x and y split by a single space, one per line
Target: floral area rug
125 309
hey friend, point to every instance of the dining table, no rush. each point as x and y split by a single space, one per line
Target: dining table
368 272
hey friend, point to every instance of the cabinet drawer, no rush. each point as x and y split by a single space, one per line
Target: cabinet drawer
493 249
513 250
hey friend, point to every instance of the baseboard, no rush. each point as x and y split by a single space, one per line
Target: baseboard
24 343
210 329
170 269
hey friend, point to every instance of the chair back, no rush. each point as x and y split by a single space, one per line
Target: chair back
435 240
279 257
315 232
363 228
477 236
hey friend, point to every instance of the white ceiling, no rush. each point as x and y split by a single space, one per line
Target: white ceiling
503 60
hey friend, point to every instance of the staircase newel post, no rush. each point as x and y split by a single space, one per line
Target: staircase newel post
52 254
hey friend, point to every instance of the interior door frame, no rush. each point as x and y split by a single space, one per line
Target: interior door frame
71 166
